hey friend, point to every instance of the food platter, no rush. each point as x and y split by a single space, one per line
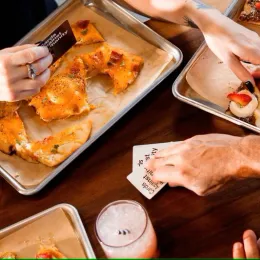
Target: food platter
71 230
120 29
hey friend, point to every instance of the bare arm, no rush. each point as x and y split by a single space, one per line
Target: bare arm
185 12
229 41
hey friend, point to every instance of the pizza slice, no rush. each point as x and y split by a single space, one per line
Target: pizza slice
251 12
54 67
55 149
244 104
8 108
7 255
50 252
12 133
64 95
86 33
121 66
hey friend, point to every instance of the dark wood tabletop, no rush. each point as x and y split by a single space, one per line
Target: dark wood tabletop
186 225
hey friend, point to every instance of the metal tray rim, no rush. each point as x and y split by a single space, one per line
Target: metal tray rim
30 191
77 223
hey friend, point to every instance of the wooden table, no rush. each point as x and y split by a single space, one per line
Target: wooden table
186 225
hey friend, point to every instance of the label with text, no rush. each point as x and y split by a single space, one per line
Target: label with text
141 177
59 41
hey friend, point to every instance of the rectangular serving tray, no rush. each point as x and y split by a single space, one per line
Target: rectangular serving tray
115 13
74 217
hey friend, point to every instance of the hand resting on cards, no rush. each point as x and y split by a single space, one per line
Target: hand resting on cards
249 249
205 163
14 76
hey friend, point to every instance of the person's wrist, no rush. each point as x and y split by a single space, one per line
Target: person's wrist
248 154
205 19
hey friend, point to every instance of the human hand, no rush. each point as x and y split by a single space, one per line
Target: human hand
201 164
14 81
232 43
249 248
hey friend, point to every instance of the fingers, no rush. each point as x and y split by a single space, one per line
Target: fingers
250 244
258 244
39 67
172 149
26 88
238 251
256 74
241 72
29 55
169 174
17 48
172 160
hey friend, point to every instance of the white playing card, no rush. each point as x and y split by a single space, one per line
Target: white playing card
142 153
141 177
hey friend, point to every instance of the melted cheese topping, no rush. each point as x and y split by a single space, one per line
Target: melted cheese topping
12 133
64 95
8 108
123 72
55 149
88 35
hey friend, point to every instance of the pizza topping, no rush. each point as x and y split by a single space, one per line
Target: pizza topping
83 24
136 67
257 6
74 70
44 256
98 57
115 57
84 32
240 99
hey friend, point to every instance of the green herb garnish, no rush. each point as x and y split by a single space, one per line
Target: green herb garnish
44 100
84 32
55 148
122 63
71 76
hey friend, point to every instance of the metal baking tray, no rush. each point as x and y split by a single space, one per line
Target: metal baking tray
182 90
115 13
74 217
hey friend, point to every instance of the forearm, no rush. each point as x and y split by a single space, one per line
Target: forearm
249 157
193 13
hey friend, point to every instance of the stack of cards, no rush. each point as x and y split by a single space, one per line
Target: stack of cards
141 177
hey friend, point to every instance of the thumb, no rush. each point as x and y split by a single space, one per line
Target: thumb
239 70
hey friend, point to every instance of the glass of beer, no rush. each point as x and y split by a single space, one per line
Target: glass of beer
124 230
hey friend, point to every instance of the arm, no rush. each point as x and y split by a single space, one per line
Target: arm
205 163
229 41
184 12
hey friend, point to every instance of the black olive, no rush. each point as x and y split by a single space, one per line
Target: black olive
250 86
